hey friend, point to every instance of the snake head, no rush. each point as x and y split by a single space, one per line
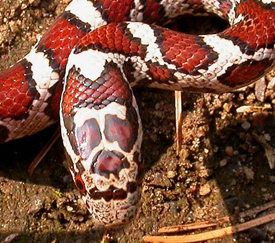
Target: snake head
102 133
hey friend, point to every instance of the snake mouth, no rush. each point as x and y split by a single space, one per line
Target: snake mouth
114 207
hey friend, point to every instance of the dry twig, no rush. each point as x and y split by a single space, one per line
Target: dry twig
194 226
43 152
211 234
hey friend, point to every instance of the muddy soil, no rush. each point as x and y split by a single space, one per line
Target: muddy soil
222 169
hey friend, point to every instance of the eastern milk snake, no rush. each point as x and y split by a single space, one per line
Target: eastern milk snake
99 56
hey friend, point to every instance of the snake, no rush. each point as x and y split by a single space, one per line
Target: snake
83 69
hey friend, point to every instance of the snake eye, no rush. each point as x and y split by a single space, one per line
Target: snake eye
80 184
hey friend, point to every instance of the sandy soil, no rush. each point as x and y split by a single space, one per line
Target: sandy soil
221 171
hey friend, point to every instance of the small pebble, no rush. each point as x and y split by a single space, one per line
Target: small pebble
159 179
10 238
171 174
229 151
60 202
223 163
267 137
271 83
205 189
272 178
69 208
249 173
233 182
206 151
157 106
247 206
236 152
246 125
37 205
227 107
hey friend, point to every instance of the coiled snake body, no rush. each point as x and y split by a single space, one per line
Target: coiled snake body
99 50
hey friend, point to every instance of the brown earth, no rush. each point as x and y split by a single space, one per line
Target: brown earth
222 169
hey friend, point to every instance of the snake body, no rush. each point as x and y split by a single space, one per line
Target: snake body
98 51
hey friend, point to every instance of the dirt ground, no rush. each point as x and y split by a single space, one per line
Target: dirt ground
222 169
